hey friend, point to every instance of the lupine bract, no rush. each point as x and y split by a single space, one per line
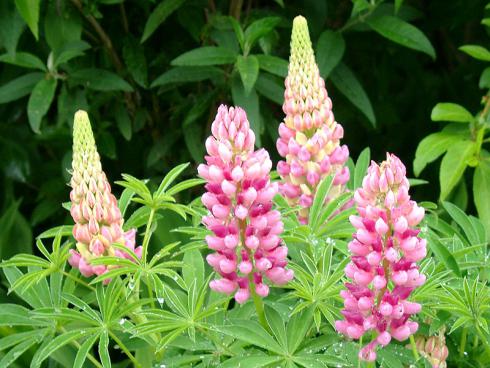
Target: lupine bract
383 269
309 137
246 230
98 220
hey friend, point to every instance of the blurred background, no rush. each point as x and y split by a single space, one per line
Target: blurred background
152 73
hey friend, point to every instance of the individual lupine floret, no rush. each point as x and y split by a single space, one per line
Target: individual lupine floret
98 220
309 137
246 230
385 249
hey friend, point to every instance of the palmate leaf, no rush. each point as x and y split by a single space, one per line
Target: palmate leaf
252 333
362 164
14 353
319 200
58 342
255 360
170 178
444 255
84 350
464 222
277 327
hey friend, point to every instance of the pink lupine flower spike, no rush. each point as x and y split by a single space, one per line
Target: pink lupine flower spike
309 137
98 221
383 269
246 230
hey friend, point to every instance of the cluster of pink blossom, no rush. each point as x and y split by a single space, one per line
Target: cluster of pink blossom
385 249
98 221
239 198
433 349
309 137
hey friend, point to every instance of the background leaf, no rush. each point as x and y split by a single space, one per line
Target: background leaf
453 165
451 112
481 192
344 79
100 80
158 16
207 55
399 31
29 10
248 67
41 97
329 51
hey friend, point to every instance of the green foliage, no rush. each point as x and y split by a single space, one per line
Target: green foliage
463 146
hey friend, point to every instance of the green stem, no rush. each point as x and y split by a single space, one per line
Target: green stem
76 279
146 239
125 349
414 348
259 304
150 292
475 342
360 347
483 339
462 343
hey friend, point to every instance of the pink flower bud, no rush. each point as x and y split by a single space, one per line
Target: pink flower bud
231 241
242 295
241 212
365 303
401 333
384 338
385 309
224 286
262 290
381 227
227 266
252 242
245 267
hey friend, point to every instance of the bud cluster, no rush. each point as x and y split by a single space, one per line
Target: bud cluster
385 249
98 220
239 196
309 137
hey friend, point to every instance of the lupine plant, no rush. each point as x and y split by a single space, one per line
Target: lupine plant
105 291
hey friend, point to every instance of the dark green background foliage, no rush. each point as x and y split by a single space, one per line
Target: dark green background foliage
152 108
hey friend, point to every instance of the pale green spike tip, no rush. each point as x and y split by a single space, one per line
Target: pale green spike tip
300 28
82 131
300 22
301 47
81 120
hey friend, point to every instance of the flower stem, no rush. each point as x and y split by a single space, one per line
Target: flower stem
125 349
76 279
414 348
475 342
259 304
462 343
146 239
150 292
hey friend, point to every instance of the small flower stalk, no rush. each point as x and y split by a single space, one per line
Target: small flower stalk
383 269
309 136
98 220
246 230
